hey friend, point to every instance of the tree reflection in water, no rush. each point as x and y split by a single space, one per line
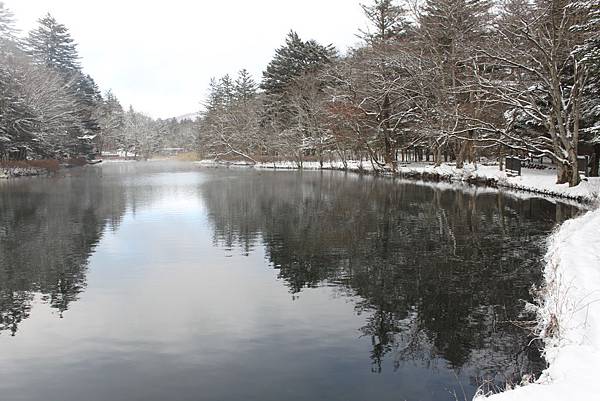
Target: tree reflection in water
440 272
49 228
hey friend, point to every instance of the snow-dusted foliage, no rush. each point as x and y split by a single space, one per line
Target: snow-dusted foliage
50 109
230 124
435 80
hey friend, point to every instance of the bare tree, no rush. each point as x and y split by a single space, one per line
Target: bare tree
533 72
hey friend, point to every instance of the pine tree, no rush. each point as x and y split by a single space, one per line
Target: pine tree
450 31
244 87
388 20
220 94
291 61
227 88
89 101
111 121
51 45
8 31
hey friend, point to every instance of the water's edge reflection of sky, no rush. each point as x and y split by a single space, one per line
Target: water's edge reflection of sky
156 281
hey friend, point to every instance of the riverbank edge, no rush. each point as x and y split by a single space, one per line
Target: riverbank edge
470 174
48 168
8 173
568 312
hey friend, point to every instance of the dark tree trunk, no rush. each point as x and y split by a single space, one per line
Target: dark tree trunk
595 161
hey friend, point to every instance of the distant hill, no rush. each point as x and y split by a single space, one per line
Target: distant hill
189 116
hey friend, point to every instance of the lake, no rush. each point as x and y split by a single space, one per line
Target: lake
168 281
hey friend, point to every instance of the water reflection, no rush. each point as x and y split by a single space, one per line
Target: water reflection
49 229
440 273
188 283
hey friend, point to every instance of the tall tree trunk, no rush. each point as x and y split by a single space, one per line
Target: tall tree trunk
595 161
438 156
389 152
563 173
574 179
460 158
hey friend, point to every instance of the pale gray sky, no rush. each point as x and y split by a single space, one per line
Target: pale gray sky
160 55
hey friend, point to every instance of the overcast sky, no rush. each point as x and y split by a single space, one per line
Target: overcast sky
160 56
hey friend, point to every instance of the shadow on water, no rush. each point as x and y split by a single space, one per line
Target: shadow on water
442 274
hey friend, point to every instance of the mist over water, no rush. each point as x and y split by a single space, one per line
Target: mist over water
154 281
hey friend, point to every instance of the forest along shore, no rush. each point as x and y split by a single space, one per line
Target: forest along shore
568 308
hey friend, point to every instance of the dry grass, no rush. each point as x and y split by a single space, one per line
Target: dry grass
188 156
50 165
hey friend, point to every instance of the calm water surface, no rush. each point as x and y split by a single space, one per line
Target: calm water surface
167 281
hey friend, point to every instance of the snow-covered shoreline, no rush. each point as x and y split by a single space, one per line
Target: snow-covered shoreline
536 181
16 172
569 316
569 304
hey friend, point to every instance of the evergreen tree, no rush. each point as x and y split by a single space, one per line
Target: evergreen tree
8 31
89 101
291 61
450 31
245 87
388 20
453 27
51 45
216 96
111 122
227 88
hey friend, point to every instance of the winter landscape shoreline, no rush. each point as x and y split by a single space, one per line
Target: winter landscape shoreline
542 182
568 307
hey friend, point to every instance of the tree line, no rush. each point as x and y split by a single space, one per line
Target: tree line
50 108
432 80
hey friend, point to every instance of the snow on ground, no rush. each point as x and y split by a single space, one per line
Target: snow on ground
570 317
538 181
543 181
14 172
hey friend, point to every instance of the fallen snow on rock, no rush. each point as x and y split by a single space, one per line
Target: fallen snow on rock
570 317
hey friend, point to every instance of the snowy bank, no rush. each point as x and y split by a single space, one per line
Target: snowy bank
25 171
570 317
536 181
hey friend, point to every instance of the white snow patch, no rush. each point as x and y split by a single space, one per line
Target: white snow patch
570 316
